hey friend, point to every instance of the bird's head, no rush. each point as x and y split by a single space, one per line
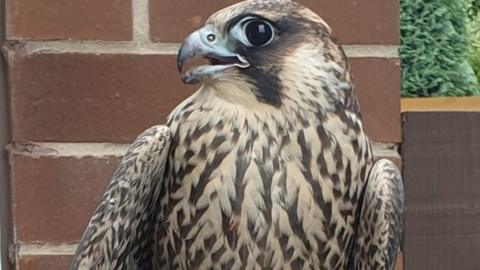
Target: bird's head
272 46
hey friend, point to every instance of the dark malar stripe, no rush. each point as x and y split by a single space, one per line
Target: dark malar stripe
267 85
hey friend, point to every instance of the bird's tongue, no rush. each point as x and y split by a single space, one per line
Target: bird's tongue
194 63
208 60
198 74
215 60
198 68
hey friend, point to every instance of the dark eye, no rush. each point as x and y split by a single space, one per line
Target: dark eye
258 32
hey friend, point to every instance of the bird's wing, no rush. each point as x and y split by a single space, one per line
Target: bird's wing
120 232
379 232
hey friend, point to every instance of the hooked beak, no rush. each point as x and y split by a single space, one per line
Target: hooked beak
208 44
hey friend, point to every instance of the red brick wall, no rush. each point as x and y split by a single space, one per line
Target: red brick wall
86 76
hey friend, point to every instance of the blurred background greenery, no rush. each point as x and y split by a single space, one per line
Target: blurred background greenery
474 31
440 50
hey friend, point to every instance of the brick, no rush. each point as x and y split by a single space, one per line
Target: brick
377 81
54 198
43 262
360 22
400 264
89 98
354 22
66 19
112 98
62 262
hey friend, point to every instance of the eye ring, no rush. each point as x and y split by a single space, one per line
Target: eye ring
211 37
258 32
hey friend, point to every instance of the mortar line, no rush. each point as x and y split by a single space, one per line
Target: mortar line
103 150
375 51
145 47
387 150
46 249
77 150
141 23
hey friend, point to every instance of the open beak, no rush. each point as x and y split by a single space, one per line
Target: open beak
208 44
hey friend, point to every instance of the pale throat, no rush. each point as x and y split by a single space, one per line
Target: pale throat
306 77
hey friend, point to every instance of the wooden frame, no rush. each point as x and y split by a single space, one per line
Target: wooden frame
441 153
441 104
5 135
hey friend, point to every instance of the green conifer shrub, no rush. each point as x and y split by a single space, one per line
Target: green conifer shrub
474 29
434 51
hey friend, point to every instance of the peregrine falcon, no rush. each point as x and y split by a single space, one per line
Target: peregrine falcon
266 166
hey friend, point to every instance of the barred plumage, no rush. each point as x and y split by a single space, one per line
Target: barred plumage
119 235
268 166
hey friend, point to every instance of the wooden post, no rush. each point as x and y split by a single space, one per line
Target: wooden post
441 158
